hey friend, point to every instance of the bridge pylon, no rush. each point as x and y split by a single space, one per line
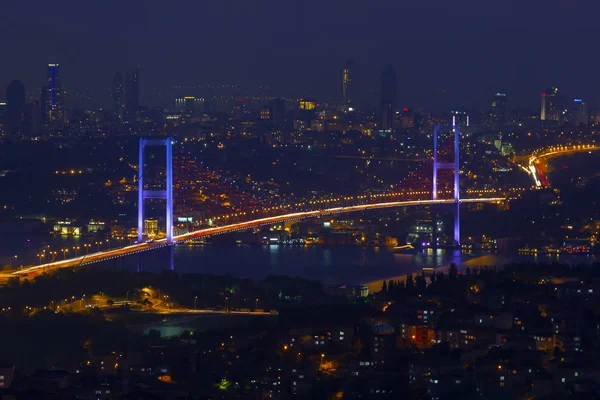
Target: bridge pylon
166 194
455 166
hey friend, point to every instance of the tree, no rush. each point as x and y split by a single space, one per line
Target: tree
420 284
410 283
453 272
384 287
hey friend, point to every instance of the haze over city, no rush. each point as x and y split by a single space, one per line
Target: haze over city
465 48
299 200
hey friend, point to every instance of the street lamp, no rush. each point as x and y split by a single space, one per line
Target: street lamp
65 251
256 306
195 298
322 357
40 256
226 298
128 295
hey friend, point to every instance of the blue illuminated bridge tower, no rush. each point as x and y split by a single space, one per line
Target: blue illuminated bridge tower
455 166
166 194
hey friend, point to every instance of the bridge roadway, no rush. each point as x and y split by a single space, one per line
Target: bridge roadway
551 152
141 247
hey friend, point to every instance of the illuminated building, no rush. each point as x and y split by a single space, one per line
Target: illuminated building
54 102
460 118
499 109
307 104
388 98
190 105
118 94
265 114
66 228
95 226
553 105
151 227
347 85
579 112
15 101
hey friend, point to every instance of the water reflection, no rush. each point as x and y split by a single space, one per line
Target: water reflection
330 265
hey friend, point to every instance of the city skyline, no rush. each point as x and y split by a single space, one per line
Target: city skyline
487 50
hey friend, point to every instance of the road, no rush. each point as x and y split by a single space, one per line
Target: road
203 233
533 167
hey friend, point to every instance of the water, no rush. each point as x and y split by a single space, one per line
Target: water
330 265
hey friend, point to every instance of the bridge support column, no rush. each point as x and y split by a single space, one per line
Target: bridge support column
166 194
172 258
456 167
140 263
457 185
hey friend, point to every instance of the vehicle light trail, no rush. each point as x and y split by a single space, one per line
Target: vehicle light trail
208 232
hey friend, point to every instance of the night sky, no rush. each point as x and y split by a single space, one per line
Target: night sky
467 48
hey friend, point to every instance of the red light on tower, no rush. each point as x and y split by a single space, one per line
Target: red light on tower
543 94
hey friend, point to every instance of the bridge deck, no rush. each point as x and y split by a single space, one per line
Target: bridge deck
142 247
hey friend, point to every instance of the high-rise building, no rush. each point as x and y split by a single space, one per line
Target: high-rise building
277 112
579 112
553 105
347 85
307 104
15 102
118 93
54 101
499 109
389 86
132 95
190 105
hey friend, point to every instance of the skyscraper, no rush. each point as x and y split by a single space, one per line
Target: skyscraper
190 105
579 112
15 102
553 105
347 85
118 94
389 86
277 112
54 110
499 109
132 94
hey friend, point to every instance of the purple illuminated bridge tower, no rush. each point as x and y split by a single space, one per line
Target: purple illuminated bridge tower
455 166
166 194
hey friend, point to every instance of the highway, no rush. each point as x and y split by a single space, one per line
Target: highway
203 233
533 169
